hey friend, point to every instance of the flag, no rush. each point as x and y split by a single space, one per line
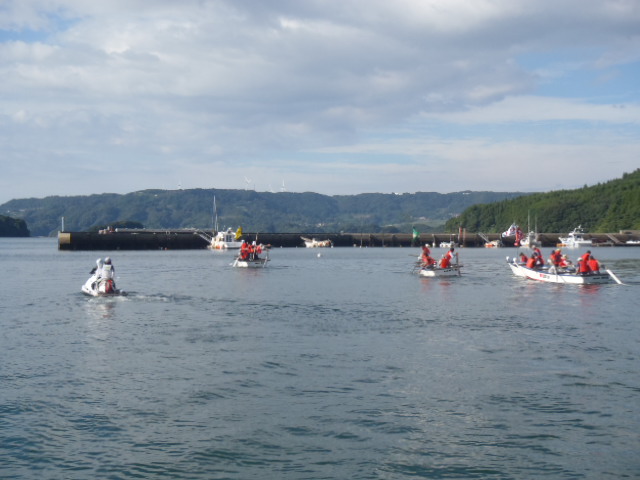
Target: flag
416 234
239 233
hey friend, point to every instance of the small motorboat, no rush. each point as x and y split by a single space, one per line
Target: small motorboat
559 275
100 287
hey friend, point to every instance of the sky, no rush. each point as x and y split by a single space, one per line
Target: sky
334 97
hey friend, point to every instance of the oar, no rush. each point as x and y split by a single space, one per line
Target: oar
611 274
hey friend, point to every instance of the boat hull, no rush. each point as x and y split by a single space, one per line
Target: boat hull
100 288
255 263
549 276
452 271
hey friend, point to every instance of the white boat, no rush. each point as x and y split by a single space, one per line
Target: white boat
227 240
530 240
313 243
433 271
575 239
252 261
493 244
557 275
100 287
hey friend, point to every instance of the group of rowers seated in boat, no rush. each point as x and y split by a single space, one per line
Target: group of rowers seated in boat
427 261
250 251
559 262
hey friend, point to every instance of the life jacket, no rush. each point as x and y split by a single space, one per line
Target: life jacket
594 265
531 263
107 271
584 263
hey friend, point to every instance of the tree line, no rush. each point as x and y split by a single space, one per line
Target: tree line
606 207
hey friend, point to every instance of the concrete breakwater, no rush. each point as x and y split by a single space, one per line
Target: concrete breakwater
192 239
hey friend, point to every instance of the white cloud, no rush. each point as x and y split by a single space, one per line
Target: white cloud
300 89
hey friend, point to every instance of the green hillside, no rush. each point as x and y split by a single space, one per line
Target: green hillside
13 227
605 207
255 211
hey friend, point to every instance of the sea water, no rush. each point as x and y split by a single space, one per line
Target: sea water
328 364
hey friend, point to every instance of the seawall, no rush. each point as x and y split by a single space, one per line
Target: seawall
191 239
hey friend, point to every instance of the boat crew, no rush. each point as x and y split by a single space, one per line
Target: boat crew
594 265
108 270
538 253
426 258
556 257
244 250
523 258
583 263
446 259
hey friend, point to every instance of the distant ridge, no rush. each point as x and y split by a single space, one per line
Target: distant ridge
255 211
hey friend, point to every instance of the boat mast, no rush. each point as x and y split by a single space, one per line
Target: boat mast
215 216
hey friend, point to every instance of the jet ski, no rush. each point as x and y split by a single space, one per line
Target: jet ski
99 285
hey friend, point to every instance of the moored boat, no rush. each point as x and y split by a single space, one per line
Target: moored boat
313 243
227 240
575 239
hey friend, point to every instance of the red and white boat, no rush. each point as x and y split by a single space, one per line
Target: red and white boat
558 275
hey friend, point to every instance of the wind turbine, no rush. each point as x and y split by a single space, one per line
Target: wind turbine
248 182
283 189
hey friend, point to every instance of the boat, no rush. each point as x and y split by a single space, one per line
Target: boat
252 261
313 243
100 287
433 271
227 240
493 244
436 270
558 275
575 239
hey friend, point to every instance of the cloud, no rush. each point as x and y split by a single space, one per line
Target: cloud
144 91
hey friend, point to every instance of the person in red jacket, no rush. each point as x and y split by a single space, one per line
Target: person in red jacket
556 257
538 253
584 268
244 250
594 265
533 261
446 259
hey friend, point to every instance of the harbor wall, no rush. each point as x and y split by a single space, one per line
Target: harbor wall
191 239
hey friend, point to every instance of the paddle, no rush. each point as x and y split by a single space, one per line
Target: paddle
611 274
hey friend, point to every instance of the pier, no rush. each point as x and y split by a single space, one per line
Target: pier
184 239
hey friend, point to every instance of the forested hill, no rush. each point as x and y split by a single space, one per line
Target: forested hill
605 207
255 211
13 227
